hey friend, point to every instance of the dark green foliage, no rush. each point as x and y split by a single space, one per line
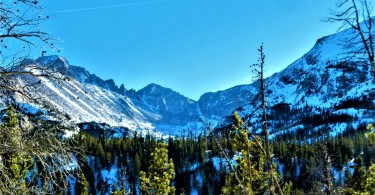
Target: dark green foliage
14 163
370 180
356 182
296 153
132 154
36 151
157 180
249 176
82 185
304 154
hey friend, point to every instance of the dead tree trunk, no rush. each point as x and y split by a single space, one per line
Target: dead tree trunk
272 178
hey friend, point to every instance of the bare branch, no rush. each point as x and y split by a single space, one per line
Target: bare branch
356 14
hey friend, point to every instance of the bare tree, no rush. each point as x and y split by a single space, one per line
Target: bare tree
39 147
258 70
356 14
319 172
264 145
20 26
323 169
20 37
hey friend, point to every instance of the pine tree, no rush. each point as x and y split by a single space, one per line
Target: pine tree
371 135
160 174
15 161
137 163
249 176
370 176
287 188
370 180
82 185
356 183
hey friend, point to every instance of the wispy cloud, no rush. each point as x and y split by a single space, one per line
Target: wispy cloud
113 6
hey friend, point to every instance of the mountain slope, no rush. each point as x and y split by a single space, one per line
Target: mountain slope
223 103
84 97
173 107
84 102
329 78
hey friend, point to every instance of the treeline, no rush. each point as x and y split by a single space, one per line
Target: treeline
191 155
200 166
191 164
302 162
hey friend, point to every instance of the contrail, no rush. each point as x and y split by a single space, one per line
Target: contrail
112 6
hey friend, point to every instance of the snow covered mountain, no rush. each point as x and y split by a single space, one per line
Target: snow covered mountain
331 78
86 98
173 109
223 103
83 97
328 77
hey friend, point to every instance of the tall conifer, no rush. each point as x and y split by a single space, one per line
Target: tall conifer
160 174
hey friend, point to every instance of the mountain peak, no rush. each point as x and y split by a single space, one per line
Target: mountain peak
46 60
154 88
60 64
154 85
55 63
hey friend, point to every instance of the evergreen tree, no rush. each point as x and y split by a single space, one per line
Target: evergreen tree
359 176
370 176
160 174
16 162
38 147
137 164
82 185
371 135
370 181
249 176
287 188
360 181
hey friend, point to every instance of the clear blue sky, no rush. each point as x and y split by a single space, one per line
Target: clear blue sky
191 46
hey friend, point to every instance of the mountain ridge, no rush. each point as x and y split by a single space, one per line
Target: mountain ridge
318 79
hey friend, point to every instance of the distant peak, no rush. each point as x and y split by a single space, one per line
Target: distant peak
47 60
154 85
54 62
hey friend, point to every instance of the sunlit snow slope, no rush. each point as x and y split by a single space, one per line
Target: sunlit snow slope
85 101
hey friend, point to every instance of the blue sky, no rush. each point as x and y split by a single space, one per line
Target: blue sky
191 46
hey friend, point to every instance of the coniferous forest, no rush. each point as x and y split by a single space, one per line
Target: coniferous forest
268 145
196 163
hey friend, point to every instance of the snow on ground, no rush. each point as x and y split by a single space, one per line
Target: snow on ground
280 167
194 191
337 128
69 134
29 108
217 161
110 176
72 165
72 182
